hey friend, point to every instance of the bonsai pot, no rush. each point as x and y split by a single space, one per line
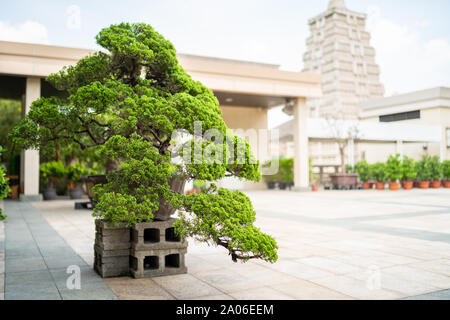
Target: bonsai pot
446 183
75 193
366 185
91 181
315 188
271 185
380 185
407 185
344 180
436 184
49 194
423 184
282 186
394 186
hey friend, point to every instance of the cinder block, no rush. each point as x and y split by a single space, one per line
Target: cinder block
155 235
158 262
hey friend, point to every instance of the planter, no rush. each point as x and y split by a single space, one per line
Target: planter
436 184
156 250
271 185
394 186
49 194
446 183
367 185
407 185
380 185
14 194
423 184
344 180
315 188
75 193
282 185
91 181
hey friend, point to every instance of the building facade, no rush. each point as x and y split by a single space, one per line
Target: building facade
339 49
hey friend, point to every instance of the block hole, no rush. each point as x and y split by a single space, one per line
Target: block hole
171 236
173 261
151 235
151 263
133 263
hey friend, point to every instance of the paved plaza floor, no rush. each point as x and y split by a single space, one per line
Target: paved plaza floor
333 245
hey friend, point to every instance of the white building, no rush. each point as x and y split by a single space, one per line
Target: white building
339 49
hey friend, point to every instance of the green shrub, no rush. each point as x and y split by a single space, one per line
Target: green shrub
364 170
436 172
75 172
4 186
51 172
423 168
394 168
446 169
379 172
408 169
276 177
349 169
287 171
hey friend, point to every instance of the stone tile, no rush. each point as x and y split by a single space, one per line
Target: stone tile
330 265
262 293
137 289
441 266
306 290
196 264
356 288
25 264
419 275
33 291
88 277
299 270
185 286
218 297
56 262
27 277
2 266
2 296
88 292
437 295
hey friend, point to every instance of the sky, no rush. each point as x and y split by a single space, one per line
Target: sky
411 37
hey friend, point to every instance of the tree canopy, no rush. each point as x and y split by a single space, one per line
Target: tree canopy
125 103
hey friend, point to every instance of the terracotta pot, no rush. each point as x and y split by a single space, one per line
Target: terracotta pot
407 185
424 184
436 184
315 188
394 186
14 194
446 183
367 185
380 185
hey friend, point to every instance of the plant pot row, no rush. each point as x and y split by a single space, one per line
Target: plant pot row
407 185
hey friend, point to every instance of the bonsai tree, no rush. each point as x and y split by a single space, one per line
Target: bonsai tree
446 170
423 168
363 169
379 172
394 168
127 103
4 185
52 172
408 169
75 172
286 172
436 172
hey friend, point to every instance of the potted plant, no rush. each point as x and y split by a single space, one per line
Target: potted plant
379 174
408 173
4 186
423 169
134 103
75 174
286 173
446 173
436 172
315 182
363 169
51 172
272 179
394 171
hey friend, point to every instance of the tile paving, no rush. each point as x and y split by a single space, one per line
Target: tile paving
333 245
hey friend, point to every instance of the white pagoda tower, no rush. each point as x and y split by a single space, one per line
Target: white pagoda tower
339 49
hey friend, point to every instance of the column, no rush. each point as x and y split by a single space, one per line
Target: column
301 163
30 158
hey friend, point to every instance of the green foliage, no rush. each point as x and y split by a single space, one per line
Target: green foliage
287 171
364 170
76 171
349 168
408 169
10 114
52 172
394 168
436 170
446 169
127 102
4 186
423 168
379 171
273 177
